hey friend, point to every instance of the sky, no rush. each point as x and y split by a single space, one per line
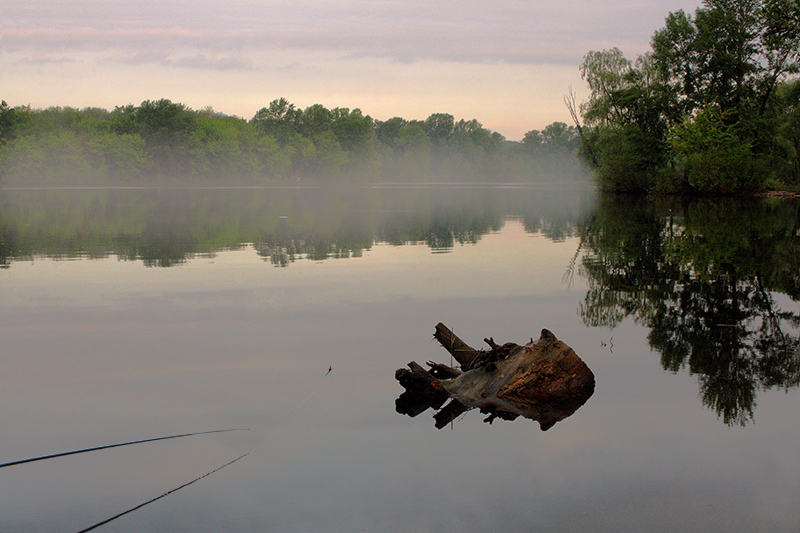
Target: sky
506 63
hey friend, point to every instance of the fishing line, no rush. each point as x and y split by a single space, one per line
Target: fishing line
132 509
129 443
274 431
288 415
95 448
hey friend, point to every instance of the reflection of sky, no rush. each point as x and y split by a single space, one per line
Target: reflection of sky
95 352
393 271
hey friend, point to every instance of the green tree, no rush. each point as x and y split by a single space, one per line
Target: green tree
50 158
118 158
301 153
533 141
560 137
783 22
67 145
387 131
413 153
606 72
169 130
786 159
353 130
280 119
439 127
628 117
223 145
10 120
729 56
314 120
166 128
274 160
712 156
329 156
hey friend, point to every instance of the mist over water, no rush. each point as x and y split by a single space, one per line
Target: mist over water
137 313
162 227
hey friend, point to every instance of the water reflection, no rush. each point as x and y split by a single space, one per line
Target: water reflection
714 281
543 381
103 351
167 227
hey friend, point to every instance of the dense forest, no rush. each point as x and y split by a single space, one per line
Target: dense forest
713 107
168 142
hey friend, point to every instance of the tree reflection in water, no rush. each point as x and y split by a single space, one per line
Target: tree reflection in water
712 280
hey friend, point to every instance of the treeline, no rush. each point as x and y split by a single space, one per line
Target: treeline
714 107
170 143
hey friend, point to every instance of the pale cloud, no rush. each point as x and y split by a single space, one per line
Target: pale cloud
205 61
510 59
406 31
140 57
44 59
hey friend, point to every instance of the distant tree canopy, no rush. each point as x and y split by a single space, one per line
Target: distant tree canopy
169 142
714 107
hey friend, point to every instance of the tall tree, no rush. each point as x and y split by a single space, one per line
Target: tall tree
280 119
9 118
439 127
724 63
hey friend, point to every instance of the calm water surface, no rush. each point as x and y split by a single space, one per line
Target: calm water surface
132 314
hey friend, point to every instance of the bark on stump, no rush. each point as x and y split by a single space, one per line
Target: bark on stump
543 380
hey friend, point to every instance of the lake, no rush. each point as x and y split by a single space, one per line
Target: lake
139 313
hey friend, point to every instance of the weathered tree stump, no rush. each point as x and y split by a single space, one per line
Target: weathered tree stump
543 380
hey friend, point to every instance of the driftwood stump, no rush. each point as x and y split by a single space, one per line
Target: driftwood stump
543 380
